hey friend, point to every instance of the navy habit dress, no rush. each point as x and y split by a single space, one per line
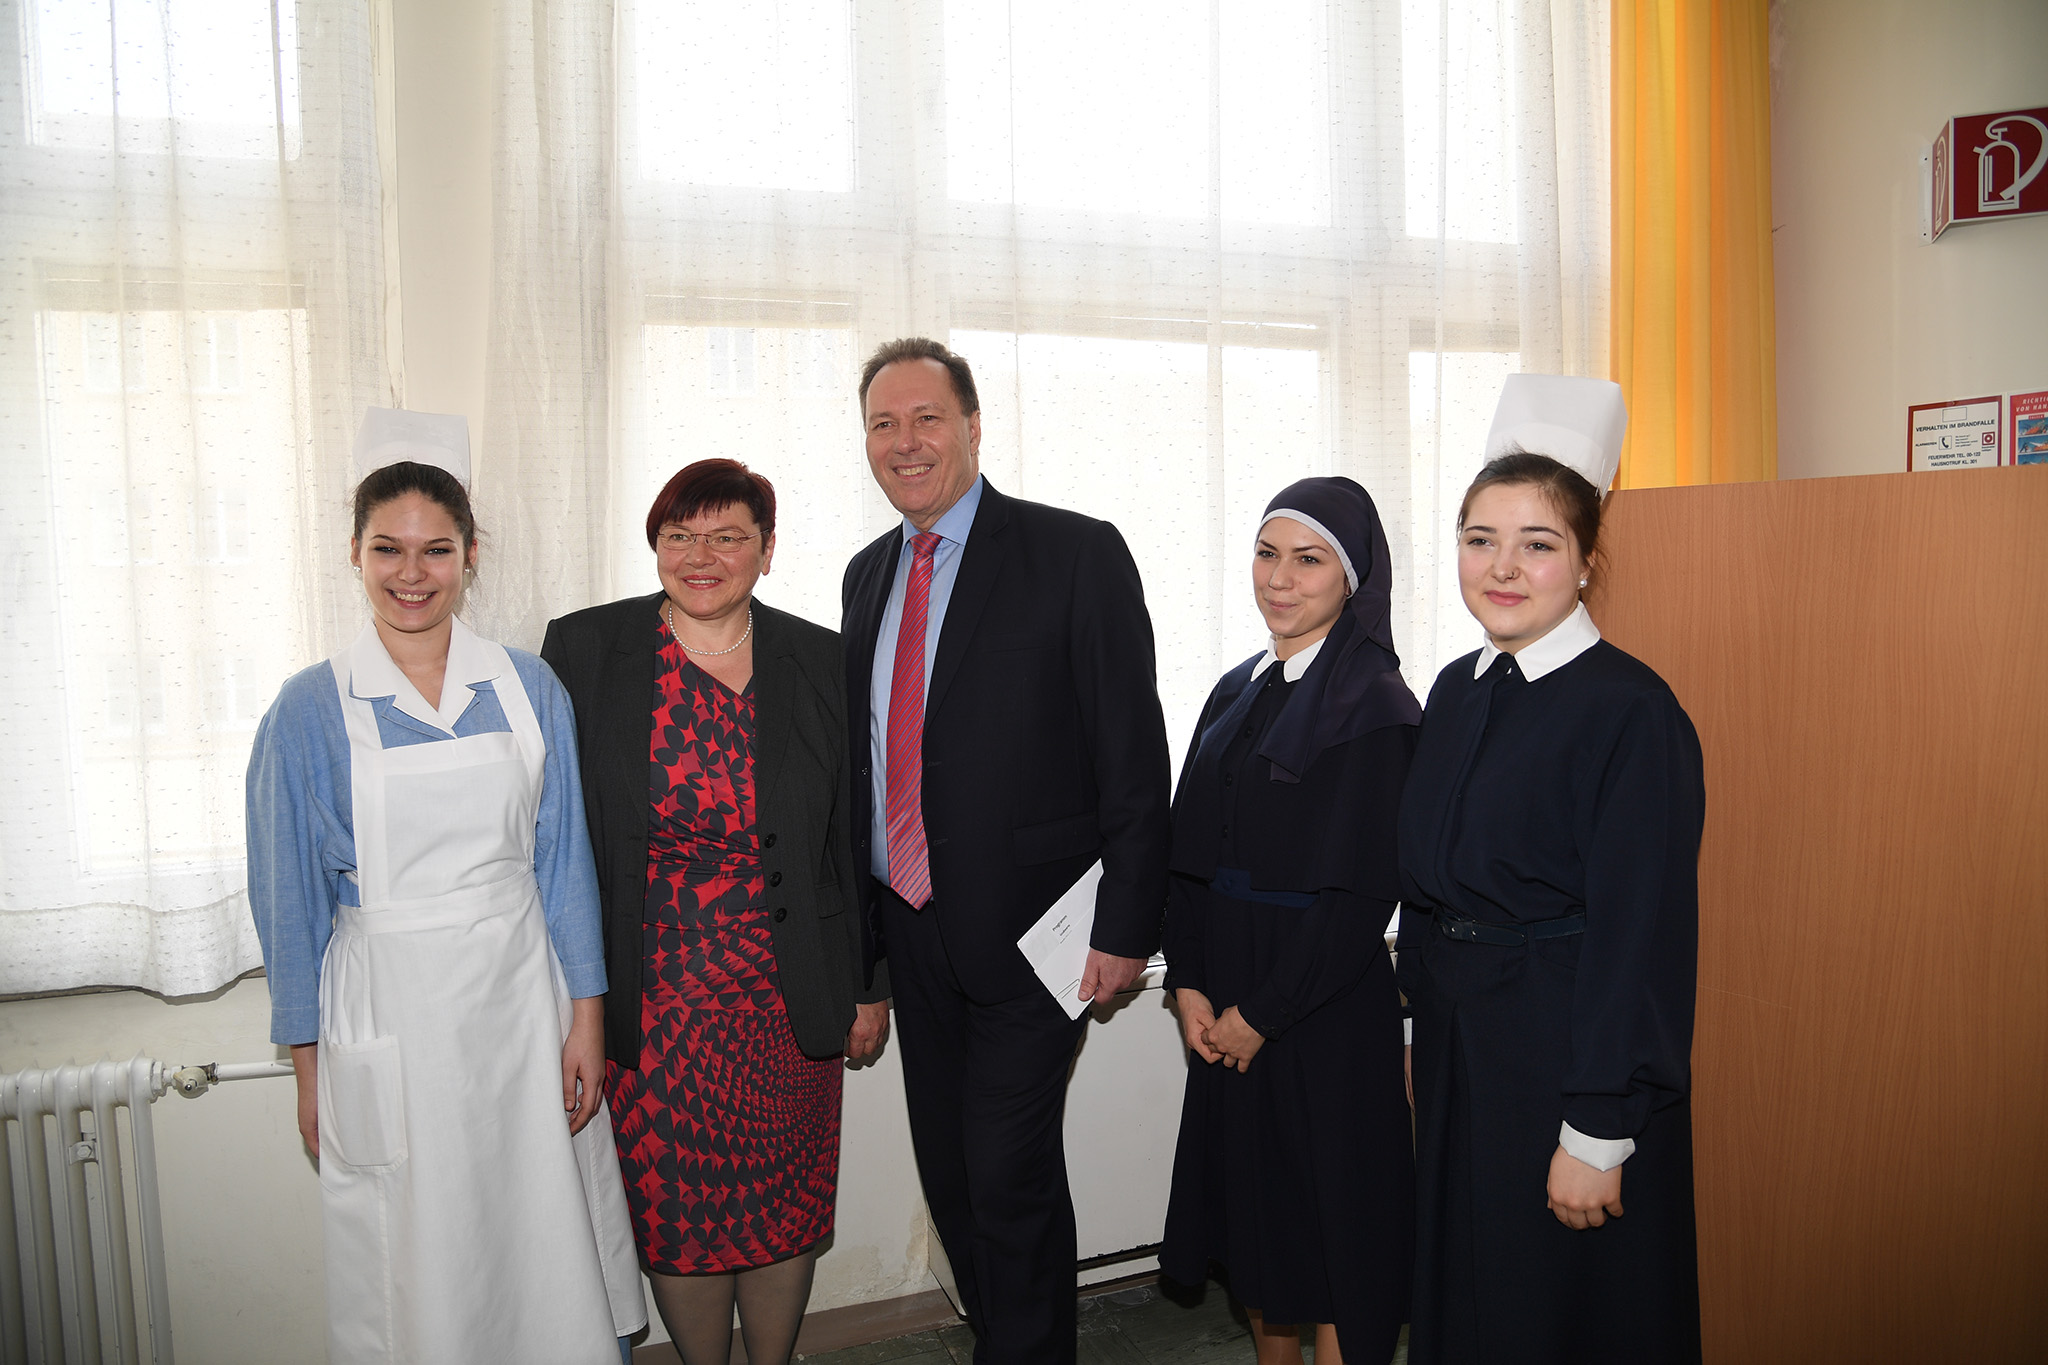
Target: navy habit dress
1580 791
1295 1175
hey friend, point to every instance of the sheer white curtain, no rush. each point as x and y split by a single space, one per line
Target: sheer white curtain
544 466
190 317
1194 251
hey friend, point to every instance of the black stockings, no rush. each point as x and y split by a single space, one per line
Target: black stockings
697 1310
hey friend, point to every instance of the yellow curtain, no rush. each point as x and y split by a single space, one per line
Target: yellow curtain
1693 345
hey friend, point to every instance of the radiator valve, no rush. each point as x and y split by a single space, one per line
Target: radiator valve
191 1081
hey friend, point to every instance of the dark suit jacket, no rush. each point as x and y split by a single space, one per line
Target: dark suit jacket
1044 746
605 657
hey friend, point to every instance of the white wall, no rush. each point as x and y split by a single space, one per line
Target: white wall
241 1197
1869 319
443 197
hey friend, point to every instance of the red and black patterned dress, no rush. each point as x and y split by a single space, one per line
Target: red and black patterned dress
728 1135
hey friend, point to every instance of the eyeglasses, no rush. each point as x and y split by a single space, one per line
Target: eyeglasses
720 542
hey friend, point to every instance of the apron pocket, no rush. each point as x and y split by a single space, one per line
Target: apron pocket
364 1114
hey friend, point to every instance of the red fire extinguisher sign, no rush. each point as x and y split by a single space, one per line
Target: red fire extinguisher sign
1991 166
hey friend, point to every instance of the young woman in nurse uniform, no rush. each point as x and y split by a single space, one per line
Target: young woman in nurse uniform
1549 842
422 885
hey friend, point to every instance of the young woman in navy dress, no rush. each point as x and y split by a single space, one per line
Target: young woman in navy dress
1293 1167
1549 845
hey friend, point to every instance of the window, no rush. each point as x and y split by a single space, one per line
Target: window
239 691
1116 104
1193 252
1457 105
153 495
729 360
114 357
764 90
193 230
213 353
1450 399
137 76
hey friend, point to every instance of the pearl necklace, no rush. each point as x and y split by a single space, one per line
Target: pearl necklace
668 611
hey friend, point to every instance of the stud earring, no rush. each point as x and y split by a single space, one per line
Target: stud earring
1582 582
357 569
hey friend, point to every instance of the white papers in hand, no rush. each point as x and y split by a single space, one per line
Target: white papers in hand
1057 946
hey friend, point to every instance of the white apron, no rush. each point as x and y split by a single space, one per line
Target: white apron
463 1223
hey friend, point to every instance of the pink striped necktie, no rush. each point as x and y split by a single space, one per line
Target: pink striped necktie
910 870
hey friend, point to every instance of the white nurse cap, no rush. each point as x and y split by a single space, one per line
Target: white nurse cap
389 435
1577 422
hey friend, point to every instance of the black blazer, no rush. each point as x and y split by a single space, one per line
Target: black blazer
605 657
1044 746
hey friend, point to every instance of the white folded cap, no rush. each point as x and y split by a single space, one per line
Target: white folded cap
389 435
1577 422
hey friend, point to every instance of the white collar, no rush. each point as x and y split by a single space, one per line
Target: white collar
1296 664
1562 643
372 673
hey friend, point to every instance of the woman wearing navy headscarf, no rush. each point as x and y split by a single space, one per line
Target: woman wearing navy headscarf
1294 1168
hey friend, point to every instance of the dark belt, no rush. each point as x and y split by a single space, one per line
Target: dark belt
1236 883
1509 936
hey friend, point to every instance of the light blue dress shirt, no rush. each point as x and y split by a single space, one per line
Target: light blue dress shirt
952 528
302 832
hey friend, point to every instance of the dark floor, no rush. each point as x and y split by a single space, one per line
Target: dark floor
1136 1326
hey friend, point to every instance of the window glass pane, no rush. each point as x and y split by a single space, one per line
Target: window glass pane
1121 429
729 360
217 488
213 353
200 79
1276 114
113 352
1077 105
1457 107
1273 435
792 420
1448 422
746 93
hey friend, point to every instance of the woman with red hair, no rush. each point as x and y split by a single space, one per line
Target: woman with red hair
712 733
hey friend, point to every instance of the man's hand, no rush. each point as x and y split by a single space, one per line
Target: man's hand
1197 1016
1237 1041
306 1068
870 1027
583 1063
1105 975
1582 1196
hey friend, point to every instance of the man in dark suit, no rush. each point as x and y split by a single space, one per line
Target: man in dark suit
1007 734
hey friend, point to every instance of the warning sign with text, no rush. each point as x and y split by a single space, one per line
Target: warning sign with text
1961 433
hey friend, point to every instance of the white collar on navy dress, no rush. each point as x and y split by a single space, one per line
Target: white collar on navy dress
1565 641
372 673
1296 664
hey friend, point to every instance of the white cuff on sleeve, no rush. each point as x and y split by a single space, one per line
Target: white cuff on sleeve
1408 1032
1602 1154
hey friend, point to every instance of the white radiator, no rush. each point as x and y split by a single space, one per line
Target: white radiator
70 1291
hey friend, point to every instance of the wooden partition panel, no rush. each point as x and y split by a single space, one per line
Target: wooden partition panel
1867 662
